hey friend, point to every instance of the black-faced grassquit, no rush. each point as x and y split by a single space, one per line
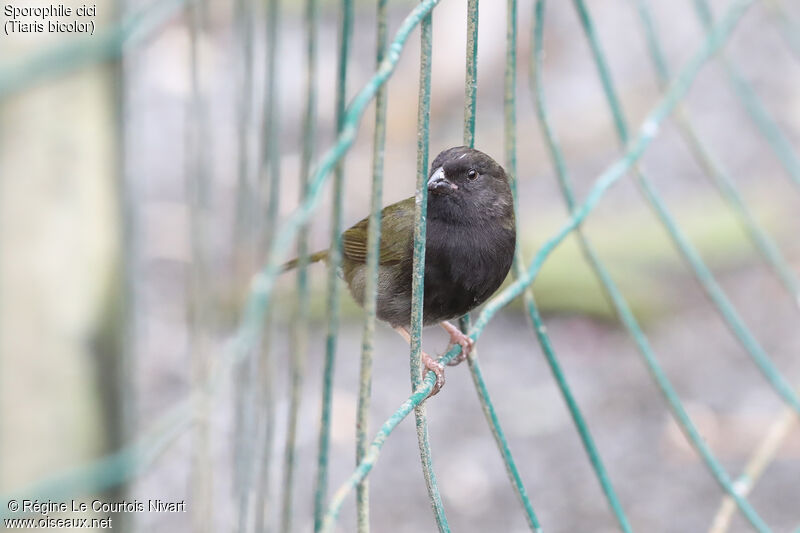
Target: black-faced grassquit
469 248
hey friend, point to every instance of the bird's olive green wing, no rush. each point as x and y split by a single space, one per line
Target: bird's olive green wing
397 230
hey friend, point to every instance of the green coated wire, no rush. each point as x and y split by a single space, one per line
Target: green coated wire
197 178
245 211
269 194
299 331
502 443
259 298
714 169
246 394
114 469
615 296
770 129
510 144
371 278
418 269
471 79
698 267
676 91
470 97
530 305
334 263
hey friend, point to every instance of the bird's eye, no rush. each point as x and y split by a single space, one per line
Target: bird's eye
472 174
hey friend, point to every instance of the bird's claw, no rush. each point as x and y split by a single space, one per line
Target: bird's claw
460 338
438 369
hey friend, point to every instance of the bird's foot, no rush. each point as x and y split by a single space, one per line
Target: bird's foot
438 369
430 363
460 338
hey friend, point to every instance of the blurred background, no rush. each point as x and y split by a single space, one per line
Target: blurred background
134 213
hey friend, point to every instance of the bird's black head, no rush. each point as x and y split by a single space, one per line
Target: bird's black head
466 185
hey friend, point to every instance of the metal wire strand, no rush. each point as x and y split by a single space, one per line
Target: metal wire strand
371 278
692 257
299 329
129 461
714 169
471 92
635 149
614 294
538 325
125 464
418 270
334 262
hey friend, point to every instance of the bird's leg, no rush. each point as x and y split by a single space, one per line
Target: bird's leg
460 338
430 363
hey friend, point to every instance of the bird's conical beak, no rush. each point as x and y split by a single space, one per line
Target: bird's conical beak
438 183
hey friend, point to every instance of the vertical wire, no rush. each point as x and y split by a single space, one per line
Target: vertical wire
268 192
244 22
688 252
469 139
470 97
197 191
471 81
371 277
299 329
770 129
615 296
244 395
470 103
418 275
121 316
334 262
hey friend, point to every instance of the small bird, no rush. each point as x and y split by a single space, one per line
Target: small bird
469 248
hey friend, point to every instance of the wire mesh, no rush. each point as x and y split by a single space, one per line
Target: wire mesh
242 348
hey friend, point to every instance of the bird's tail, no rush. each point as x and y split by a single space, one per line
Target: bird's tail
313 258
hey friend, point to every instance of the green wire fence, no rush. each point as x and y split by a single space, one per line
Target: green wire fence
247 347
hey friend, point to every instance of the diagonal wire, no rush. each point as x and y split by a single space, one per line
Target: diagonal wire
634 151
763 455
371 277
533 313
714 169
418 269
687 251
615 296
334 263
770 129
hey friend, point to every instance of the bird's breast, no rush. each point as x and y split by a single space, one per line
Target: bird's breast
464 265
